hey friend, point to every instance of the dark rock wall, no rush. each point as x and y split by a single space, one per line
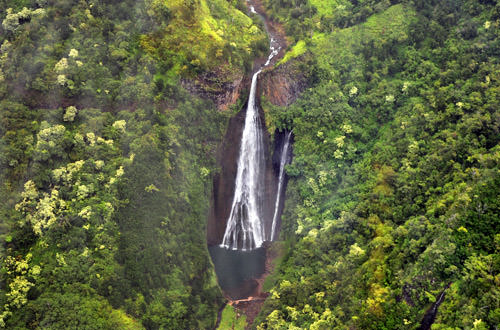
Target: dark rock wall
282 85
223 185
279 141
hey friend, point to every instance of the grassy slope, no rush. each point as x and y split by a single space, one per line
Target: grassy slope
205 36
230 320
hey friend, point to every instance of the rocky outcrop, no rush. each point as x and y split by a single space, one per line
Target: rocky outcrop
282 85
209 85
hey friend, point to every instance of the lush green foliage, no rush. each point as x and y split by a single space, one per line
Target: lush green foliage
231 319
395 183
106 162
194 36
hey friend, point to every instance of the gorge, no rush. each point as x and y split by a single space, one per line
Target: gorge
248 213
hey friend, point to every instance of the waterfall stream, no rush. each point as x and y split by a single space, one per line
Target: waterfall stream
283 162
245 229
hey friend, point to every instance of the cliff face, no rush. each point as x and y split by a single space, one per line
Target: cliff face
282 85
223 184
210 86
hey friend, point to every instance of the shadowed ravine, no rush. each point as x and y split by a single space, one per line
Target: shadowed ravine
248 193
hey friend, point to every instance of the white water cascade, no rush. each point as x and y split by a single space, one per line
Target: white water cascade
245 229
281 177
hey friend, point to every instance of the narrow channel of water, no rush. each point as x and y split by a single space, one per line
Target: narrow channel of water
281 181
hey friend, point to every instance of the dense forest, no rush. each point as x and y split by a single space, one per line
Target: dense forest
395 184
106 160
110 126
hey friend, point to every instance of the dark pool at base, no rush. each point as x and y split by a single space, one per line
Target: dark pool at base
237 270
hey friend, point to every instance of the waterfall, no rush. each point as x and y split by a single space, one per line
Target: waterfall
281 177
245 228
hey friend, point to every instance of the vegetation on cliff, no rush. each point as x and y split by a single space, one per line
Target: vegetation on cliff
105 161
395 179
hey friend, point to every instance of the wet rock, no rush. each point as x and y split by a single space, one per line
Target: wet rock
282 85
223 184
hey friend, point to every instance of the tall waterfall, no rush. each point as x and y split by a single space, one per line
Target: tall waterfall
245 228
281 177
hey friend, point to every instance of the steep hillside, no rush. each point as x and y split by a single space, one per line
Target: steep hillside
106 160
394 191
